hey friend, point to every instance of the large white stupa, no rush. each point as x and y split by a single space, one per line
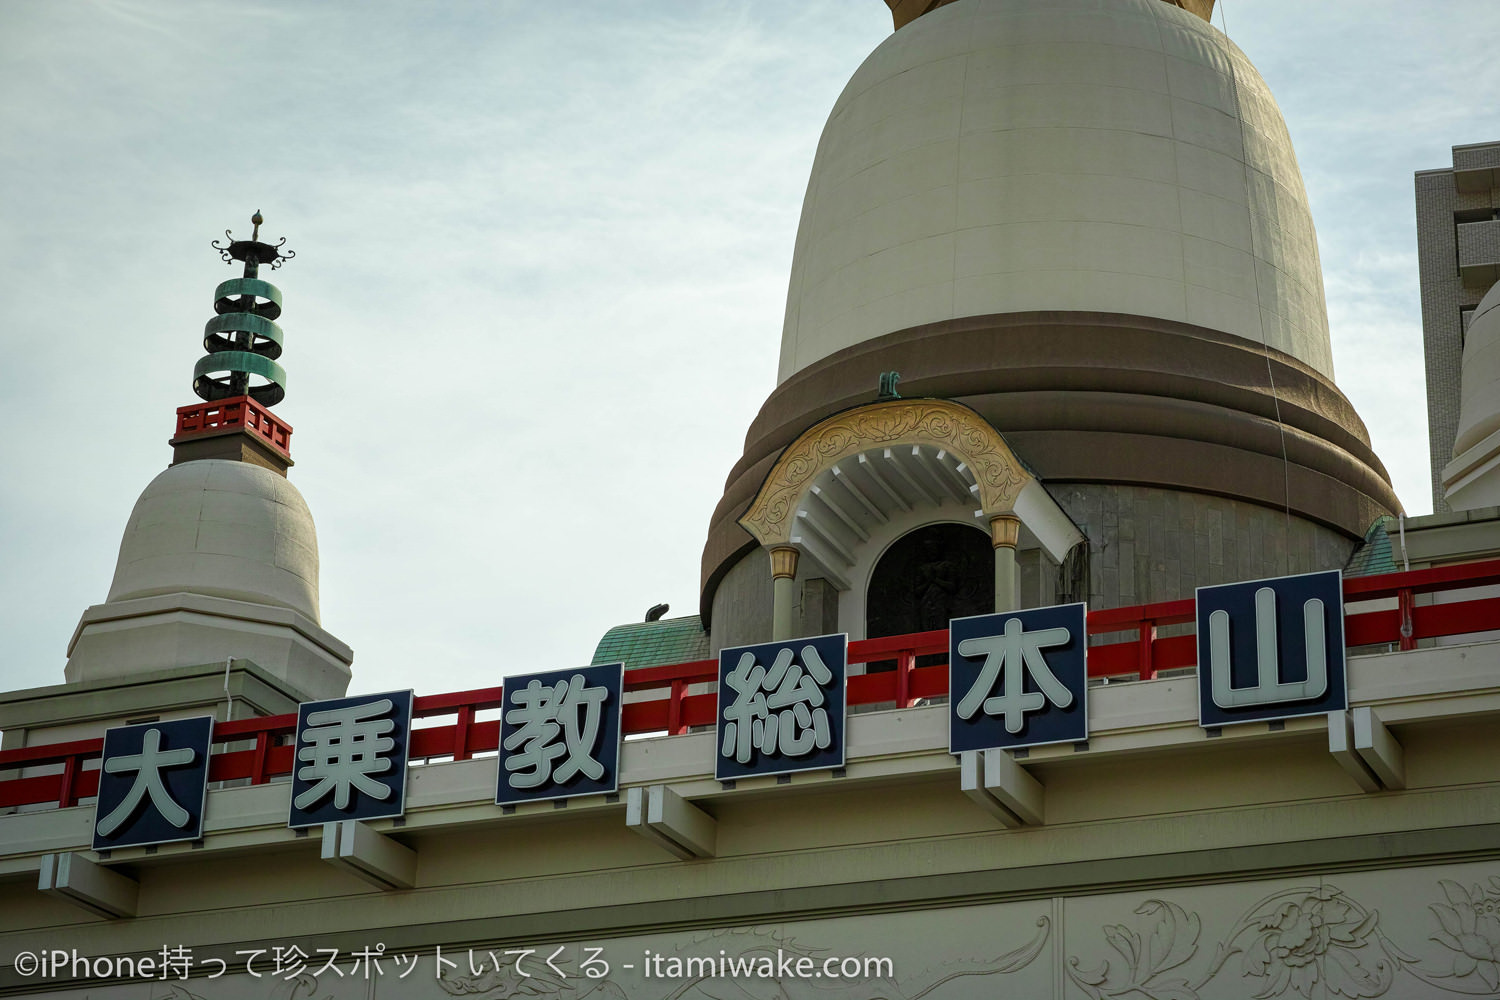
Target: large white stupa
1014 155
1083 222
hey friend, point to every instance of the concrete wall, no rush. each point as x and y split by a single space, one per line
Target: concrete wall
1053 946
1148 545
742 604
1439 205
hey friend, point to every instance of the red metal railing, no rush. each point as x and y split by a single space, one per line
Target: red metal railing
677 706
228 414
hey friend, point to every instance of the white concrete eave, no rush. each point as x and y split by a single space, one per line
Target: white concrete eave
214 607
1040 514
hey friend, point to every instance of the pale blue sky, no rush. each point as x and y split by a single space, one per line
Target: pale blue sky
543 252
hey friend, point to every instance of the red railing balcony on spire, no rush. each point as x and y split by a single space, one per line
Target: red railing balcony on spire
236 413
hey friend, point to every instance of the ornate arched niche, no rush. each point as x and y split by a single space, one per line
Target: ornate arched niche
853 477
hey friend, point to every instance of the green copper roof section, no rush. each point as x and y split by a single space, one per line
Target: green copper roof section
1374 555
653 644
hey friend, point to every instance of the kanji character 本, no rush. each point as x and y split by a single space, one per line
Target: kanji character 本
570 709
345 748
148 765
1019 653
777 711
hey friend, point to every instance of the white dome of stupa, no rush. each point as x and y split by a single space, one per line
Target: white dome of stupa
1008 156
221 529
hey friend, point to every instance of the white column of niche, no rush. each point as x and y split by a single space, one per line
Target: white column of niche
1005 530
783 596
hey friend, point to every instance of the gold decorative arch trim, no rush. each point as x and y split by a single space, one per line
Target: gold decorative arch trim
935 422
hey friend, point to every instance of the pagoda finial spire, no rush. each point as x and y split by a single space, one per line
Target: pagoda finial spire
238 379
243 340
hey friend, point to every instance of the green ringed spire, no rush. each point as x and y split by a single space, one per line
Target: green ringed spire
243 340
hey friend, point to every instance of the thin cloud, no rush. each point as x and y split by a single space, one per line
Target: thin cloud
543 255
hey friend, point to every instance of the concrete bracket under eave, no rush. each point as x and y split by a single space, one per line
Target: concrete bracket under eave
997 784
1366 750
369 856
89 885
671 821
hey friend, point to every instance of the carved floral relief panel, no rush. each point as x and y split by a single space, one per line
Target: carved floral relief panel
1413 934
1401 934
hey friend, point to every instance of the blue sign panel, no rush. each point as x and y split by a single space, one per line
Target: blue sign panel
1271 649
781 707
350 759
1018 679
153 783
560 734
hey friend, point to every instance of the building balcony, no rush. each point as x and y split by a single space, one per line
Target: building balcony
1479 253
1476 167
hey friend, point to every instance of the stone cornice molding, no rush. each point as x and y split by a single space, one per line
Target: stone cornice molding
114 612
935 422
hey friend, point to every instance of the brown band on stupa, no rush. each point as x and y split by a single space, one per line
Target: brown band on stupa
1099 398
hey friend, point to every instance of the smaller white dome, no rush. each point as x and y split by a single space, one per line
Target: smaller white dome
221 529
1479 409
